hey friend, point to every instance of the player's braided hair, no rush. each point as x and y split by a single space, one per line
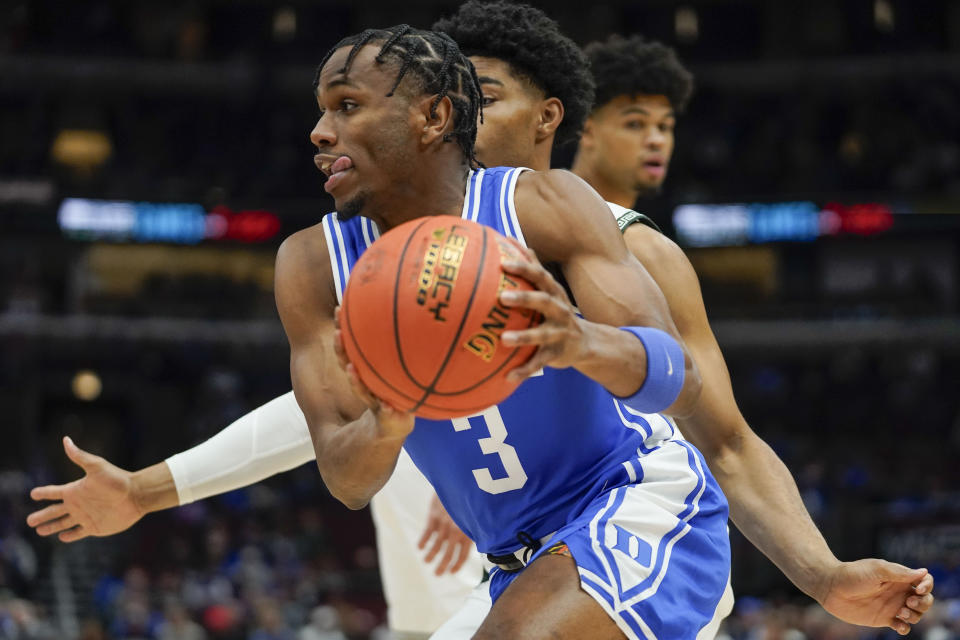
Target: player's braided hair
631 66
434 59
531 43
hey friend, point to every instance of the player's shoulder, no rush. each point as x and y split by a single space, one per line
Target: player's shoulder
303 273
552 183
559 209
304 249
661 256
626 217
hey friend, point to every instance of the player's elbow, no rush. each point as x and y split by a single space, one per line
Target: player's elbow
355 504
352 495
350 498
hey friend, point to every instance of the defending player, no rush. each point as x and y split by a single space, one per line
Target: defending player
533 102
624 153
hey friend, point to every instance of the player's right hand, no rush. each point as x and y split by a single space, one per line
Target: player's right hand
391 420
100 503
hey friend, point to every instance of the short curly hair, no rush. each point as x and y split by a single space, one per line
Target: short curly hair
531 43
631 66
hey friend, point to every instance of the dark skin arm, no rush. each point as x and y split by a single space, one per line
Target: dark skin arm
764 501
356 446
566 222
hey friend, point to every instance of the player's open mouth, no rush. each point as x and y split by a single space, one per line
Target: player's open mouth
334 167
655 167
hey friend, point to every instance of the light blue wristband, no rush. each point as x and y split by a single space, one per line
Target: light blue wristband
666 368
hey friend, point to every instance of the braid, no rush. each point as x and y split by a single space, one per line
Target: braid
365 37
398 32
435 59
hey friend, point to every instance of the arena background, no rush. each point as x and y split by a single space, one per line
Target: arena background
152 158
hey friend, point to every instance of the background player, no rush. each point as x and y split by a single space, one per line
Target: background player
627 141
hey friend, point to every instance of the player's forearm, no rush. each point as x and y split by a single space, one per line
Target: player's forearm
766 507
612 358
270 439
357 459
153 488
618 360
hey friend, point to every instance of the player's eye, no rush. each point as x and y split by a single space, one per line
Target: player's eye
488 100
347 105
666 127
636 124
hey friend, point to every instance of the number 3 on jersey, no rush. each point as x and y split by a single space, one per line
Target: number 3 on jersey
516 477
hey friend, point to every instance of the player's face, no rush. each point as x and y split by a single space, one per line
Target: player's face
364 139
510 115
634 140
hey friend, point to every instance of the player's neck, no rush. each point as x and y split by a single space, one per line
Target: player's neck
436 193
540 160
608 190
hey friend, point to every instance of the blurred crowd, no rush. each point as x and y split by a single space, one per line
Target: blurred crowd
871 435
233 82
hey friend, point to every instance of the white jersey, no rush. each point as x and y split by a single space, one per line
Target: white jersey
417 599
275 438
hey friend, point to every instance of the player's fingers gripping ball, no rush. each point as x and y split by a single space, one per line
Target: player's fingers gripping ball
422 318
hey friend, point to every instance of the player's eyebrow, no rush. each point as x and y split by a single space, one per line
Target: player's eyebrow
489 80
340 80
635 109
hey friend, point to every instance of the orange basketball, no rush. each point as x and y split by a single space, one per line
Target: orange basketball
422 318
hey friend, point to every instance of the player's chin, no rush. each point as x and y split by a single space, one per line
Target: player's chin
648 186
350 207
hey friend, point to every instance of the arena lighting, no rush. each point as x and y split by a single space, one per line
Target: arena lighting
686 24
86 385
884 17
713 225
177 223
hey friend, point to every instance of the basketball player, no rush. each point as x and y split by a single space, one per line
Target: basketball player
627 140
602 522
533 102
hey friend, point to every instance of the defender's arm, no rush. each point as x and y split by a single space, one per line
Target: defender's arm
764 501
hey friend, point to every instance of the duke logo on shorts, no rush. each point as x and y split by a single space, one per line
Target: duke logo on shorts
563 460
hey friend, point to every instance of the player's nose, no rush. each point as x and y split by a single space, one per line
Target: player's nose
656 138
323 135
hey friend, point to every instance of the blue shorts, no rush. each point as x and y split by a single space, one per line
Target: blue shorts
654 552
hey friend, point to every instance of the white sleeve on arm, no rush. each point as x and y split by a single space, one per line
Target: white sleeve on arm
270 439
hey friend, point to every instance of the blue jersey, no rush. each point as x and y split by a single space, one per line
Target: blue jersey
536 460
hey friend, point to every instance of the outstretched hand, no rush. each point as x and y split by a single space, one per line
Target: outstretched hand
101 503
877 593
446 536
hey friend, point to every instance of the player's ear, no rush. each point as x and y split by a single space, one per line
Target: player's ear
437 120
551 115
